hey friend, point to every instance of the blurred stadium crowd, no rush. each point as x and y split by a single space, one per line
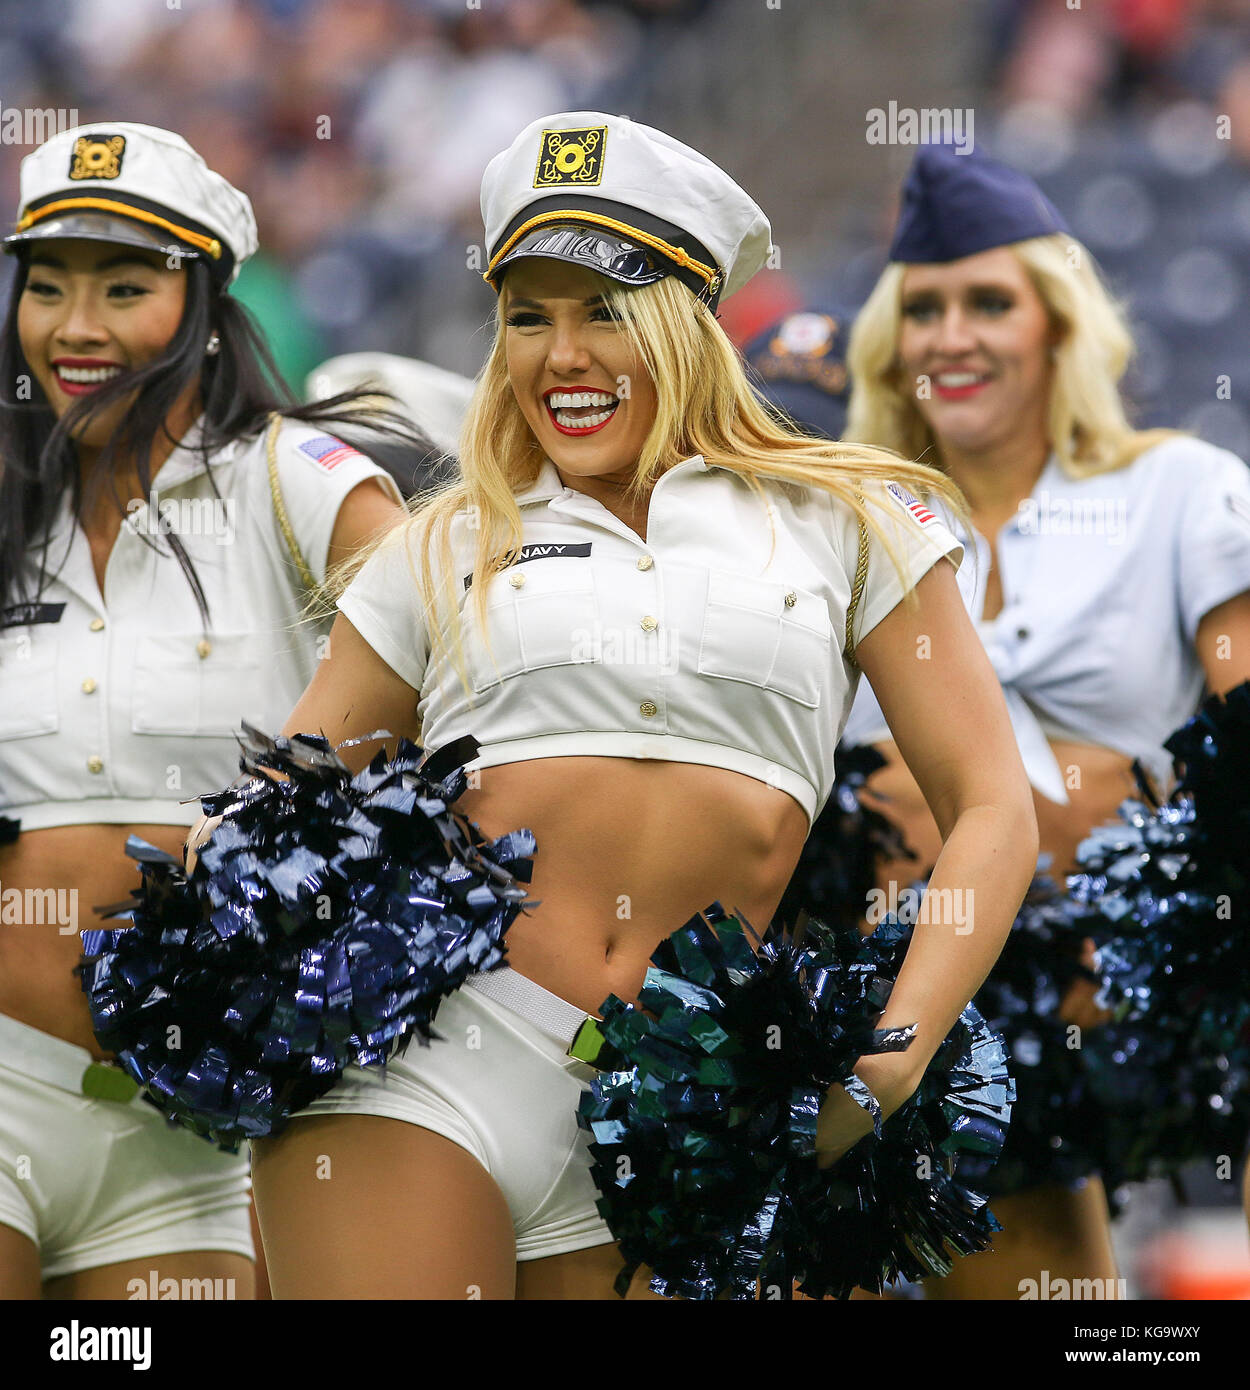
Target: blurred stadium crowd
360 131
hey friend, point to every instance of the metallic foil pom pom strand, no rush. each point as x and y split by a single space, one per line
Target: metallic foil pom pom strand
1054 1119
704 1142
326 918
1166 891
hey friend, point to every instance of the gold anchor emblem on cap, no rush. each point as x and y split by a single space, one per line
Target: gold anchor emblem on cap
571 157
97 157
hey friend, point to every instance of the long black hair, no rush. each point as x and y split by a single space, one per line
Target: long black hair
239 386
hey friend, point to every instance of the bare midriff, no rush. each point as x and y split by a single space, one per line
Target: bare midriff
1097 781
628 850
89 867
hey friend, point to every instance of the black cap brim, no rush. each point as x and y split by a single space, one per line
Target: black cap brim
100 226
592 249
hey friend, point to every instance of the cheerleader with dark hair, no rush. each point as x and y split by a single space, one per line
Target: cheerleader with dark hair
167 508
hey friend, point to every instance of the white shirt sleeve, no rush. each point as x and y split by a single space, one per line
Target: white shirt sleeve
1213 533
920 539
316 472
384 604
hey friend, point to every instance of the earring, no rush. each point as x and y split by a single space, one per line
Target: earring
213 346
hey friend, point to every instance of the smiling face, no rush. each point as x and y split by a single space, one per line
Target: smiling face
979 331
586 396
91 311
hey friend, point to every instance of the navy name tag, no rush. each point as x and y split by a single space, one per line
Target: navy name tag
27 614
549 550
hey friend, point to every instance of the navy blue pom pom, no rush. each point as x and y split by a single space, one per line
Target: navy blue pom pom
1057 1125
325 920
704 1148
1164 890
1170 885
1054 1118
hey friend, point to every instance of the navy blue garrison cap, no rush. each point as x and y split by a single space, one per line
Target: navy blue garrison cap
800 364
955 205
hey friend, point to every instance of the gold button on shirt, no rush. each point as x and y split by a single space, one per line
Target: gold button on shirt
718 669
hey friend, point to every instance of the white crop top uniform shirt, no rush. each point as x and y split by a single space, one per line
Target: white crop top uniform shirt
705 643
119 707
1104 583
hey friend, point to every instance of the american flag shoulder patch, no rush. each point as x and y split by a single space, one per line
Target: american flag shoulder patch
916 509
328 451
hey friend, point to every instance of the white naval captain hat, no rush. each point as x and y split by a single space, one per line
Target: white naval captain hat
137 185
622 199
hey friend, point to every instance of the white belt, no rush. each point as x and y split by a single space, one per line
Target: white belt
575 1030
58 1063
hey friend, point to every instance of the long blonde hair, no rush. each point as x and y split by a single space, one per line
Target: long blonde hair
705 406
1086 423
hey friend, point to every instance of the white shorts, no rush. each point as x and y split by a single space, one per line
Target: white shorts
508 1094
94 1182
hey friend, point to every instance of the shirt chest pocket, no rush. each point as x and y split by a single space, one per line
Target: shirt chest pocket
192 688
28 695
766 634
538 614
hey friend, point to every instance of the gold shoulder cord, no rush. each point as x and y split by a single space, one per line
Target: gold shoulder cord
279 507
857 589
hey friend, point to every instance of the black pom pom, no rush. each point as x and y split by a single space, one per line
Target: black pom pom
704 1148
1164 890
325 920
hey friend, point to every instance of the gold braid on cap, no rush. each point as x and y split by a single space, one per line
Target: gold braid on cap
707 273
203 243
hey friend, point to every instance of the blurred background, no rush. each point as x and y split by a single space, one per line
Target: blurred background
360 129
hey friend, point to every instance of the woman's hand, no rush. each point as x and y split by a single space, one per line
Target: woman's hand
1078 1005
842 1122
